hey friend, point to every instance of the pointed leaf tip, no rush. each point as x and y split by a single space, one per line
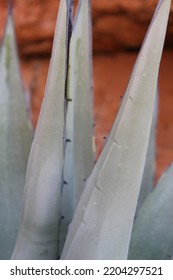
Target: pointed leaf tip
10 7
15 141
38 233
79 155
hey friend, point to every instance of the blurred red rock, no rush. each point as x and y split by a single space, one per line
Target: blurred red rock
117 24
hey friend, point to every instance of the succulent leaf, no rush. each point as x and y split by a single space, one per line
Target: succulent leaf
79 154
38 234
152 231
102 223
147 184
15 141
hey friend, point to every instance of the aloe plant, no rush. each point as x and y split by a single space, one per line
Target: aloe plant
15 141
152 231
59 188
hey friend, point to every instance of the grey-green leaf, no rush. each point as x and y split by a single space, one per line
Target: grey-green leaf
38 234
15 141
152 237
79 152
102 223
147 184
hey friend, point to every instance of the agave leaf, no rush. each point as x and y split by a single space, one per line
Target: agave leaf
15 141
38 234
79 154
102 223
152 232
149 169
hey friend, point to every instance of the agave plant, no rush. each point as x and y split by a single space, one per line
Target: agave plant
68 199
15 141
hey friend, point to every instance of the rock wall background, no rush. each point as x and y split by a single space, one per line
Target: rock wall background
119 27
117 24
